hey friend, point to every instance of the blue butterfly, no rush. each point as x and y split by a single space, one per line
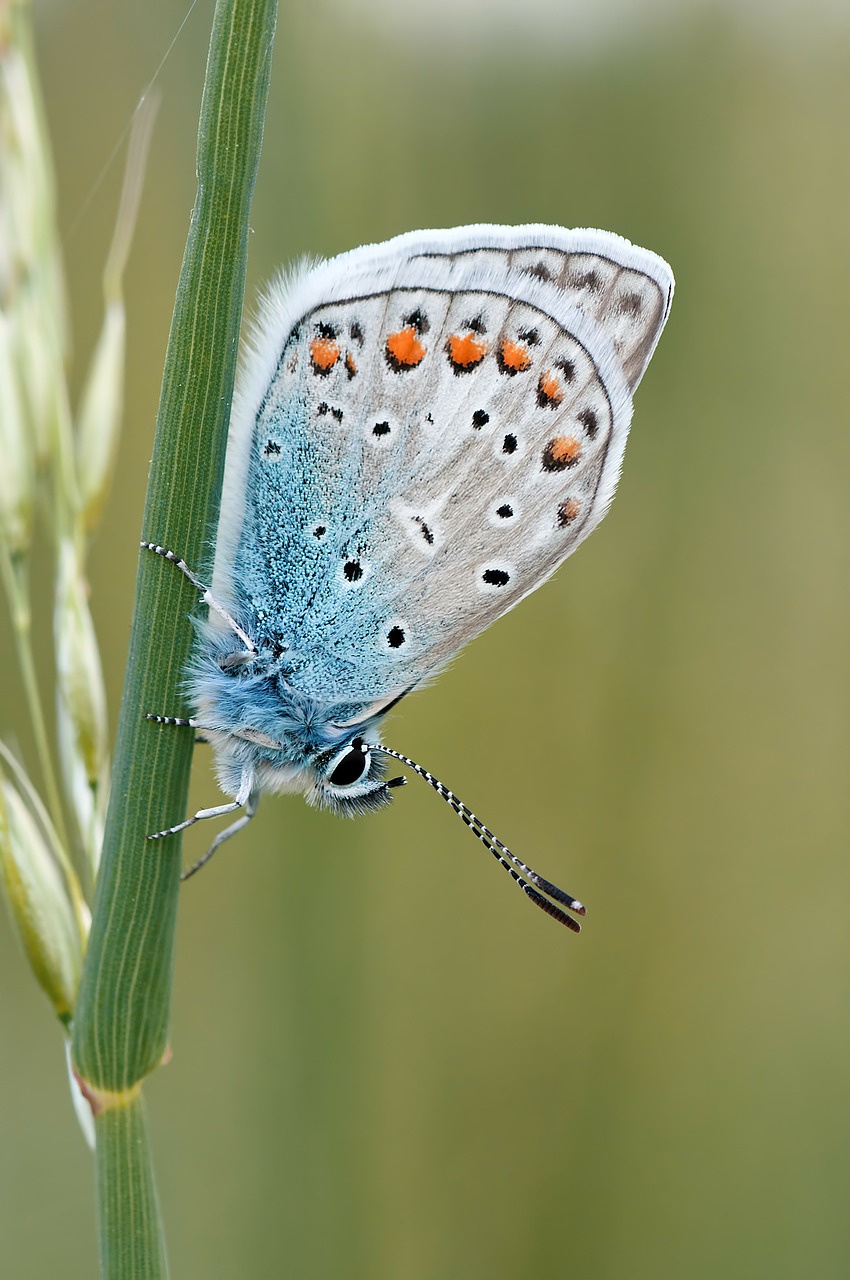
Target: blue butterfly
423 431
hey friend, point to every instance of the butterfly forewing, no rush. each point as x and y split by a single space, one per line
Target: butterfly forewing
441 430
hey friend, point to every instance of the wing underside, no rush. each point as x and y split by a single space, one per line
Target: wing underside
433 433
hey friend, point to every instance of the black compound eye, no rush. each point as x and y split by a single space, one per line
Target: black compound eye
351 766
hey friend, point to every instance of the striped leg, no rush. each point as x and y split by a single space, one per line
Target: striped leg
178 722
217 811
228 832
247 799
184 722
206 595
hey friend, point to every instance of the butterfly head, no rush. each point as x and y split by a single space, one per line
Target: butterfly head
349 780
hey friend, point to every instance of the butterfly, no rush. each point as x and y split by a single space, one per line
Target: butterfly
423 431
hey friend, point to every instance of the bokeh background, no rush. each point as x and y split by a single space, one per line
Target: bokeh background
386 1063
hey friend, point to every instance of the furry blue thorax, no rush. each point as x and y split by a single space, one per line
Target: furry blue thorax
270 736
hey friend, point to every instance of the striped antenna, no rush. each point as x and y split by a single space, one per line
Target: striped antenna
542 892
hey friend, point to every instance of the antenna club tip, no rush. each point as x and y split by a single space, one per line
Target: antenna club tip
579 908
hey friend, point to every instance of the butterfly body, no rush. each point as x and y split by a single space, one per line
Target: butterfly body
268 735
424 431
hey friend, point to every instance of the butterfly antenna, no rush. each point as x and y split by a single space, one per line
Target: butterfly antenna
543 893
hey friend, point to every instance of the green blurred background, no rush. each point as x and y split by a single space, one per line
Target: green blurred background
386 1063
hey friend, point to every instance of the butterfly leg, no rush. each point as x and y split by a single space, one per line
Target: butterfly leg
206 595
235 827
184 722
180 722
243 799
216 811
247 799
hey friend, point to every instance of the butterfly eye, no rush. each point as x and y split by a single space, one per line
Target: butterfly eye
351 766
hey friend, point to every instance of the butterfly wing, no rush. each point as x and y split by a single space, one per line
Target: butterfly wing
427 429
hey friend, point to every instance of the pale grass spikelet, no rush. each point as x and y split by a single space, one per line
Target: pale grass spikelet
40 450
99 417
39 901
31 280
81 1105
80 703
16 462
102 401
28 199
42 364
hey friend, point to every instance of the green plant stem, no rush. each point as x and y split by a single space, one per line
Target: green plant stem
17 593
125 1176
121 1024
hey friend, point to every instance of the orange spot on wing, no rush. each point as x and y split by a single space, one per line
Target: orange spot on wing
350 364
514 357
324 353
465 350
549 388
404 350
560 453
567 512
